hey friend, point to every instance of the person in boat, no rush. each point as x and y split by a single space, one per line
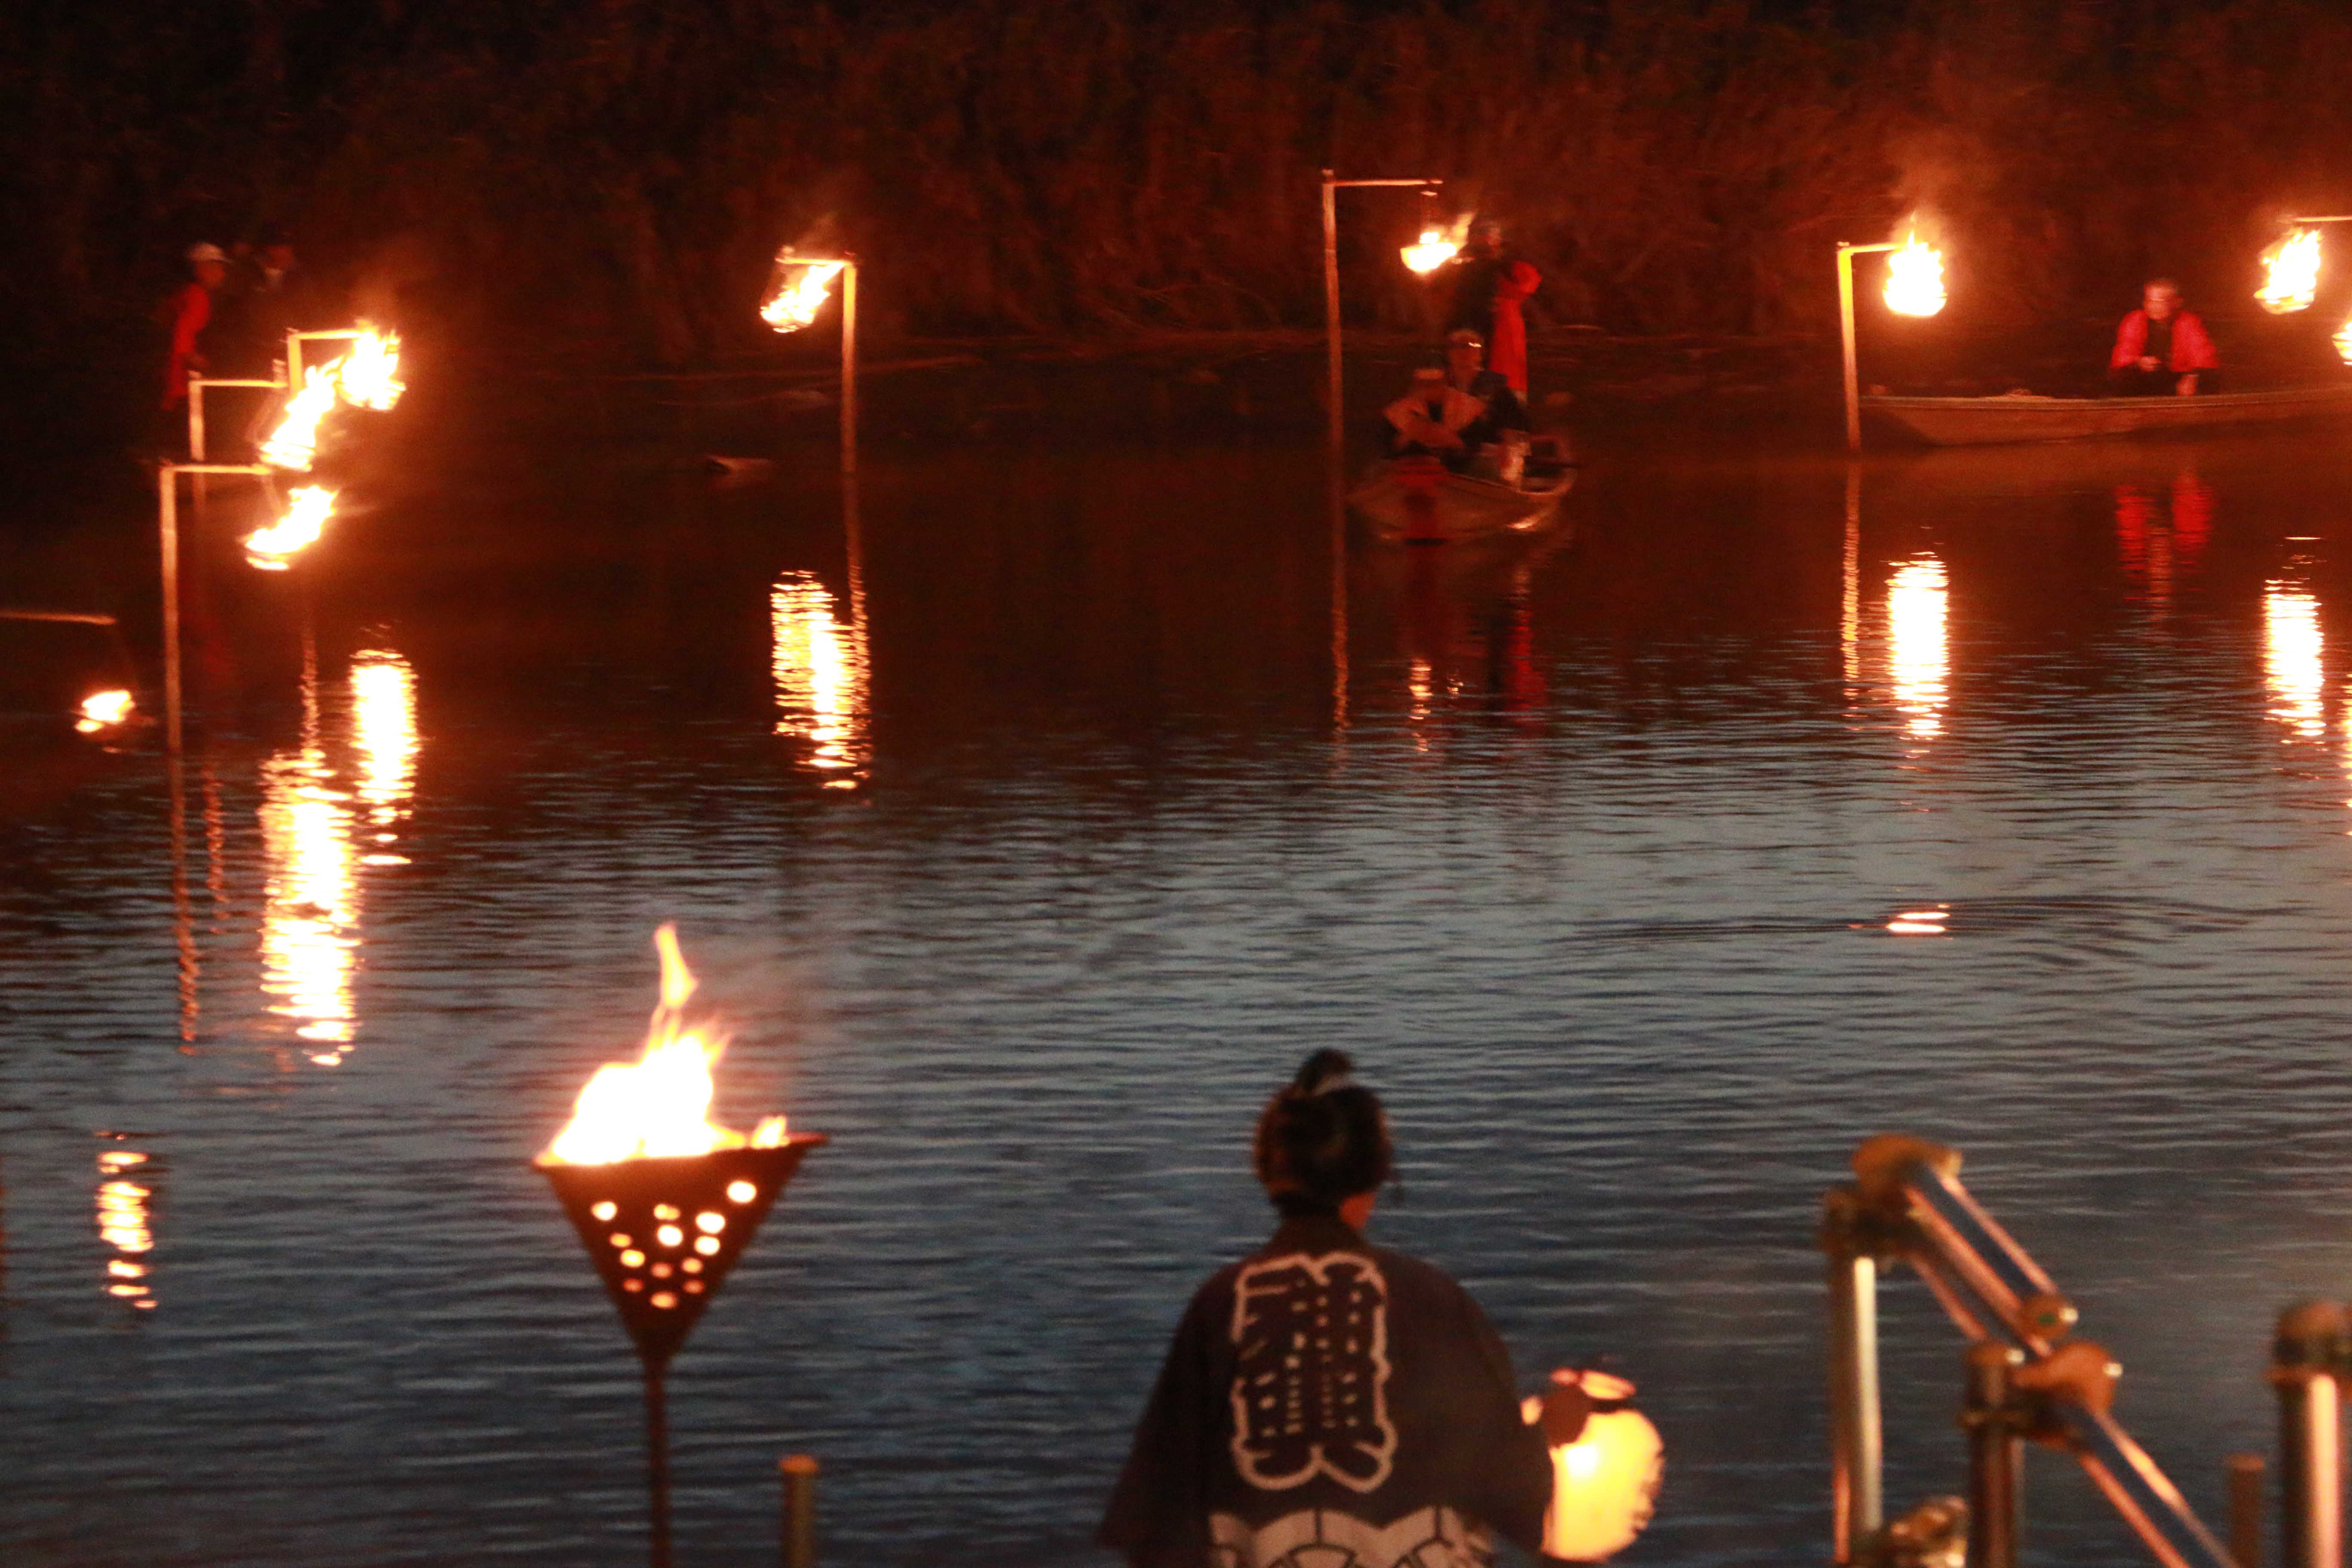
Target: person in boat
2162 349
184 317
1326 1397
1466 371
1486 284
1435 419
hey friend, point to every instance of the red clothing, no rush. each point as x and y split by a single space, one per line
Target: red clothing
1506 349
190 311
2191 349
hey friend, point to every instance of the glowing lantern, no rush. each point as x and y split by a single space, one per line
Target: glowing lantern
1915 278
103 711
796 290
272 549
2290 274
1606 1463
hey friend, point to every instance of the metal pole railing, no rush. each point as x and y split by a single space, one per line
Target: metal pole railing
1996 1458
1332 185
1845 254
2245 1472
2311 1507
799 1523
1856 1434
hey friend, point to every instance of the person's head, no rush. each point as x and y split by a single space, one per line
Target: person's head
208 265
1429 382
276 251
2160 298
1487 234
1322 1141
1466 353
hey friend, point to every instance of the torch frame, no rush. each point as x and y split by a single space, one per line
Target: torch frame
167 541
646 1195
1845 254
848 351
1332 185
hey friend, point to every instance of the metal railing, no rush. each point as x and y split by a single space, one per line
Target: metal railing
2025 1375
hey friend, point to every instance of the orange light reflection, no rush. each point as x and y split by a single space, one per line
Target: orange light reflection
126 1226
1919 645
819 664
2292 646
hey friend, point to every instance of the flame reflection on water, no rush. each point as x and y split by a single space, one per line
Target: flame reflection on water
819 664
312 828
1918 644
2291 646
125 1225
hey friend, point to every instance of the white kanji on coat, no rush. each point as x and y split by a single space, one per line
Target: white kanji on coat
1311 1372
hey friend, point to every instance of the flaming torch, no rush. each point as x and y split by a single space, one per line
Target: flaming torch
796 291
2344 342
103 711
296 440
1914 278
1436 248
663 1200
2290 273
368 375
273 549
1914 287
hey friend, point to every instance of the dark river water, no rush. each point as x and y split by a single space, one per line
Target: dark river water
1026 845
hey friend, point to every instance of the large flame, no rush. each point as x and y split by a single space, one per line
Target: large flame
368 375
272 549
1436 248
103 711
658 1106
2290 274
796 291
296 440
1915 278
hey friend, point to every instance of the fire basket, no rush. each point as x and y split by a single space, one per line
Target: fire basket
663 1201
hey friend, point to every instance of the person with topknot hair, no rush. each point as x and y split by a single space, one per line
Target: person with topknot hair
1326 1394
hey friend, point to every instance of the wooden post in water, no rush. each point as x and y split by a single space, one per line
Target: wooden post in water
1996 1458
2311 1335
799 1525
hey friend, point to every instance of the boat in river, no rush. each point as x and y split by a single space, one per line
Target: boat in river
1420 500
2025 416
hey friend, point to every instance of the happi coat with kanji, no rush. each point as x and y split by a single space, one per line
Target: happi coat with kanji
1329 1404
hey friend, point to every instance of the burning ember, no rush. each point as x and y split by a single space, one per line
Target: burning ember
272 549
796 291
1914 278
103 711
657 1107
2291 274
1436 248
2344 342
296 440
368 375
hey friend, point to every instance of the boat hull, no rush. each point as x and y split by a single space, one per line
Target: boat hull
1990 421
1420 503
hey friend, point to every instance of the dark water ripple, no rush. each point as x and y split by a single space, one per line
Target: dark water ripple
1604 911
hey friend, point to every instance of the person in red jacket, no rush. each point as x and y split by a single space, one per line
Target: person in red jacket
186 315
2162 349
1486 284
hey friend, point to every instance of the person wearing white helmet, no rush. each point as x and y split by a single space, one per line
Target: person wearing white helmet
186 314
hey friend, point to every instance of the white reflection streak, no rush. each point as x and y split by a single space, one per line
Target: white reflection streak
1918 647
819 667
2292 646
383 732
125 1225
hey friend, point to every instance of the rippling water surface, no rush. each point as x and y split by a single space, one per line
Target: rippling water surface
2002 798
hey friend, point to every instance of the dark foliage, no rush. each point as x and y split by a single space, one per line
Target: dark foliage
603 183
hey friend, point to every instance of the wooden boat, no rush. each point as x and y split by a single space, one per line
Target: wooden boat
1419 501
2023 416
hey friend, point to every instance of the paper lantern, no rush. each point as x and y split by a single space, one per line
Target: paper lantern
1606 1463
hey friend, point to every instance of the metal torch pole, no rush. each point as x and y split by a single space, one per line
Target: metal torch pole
849 368
196 417
167 539
1846 330
1331 309
658 1462
2245 1472
2311 1508
799 1471
1857 1438
1996 1459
